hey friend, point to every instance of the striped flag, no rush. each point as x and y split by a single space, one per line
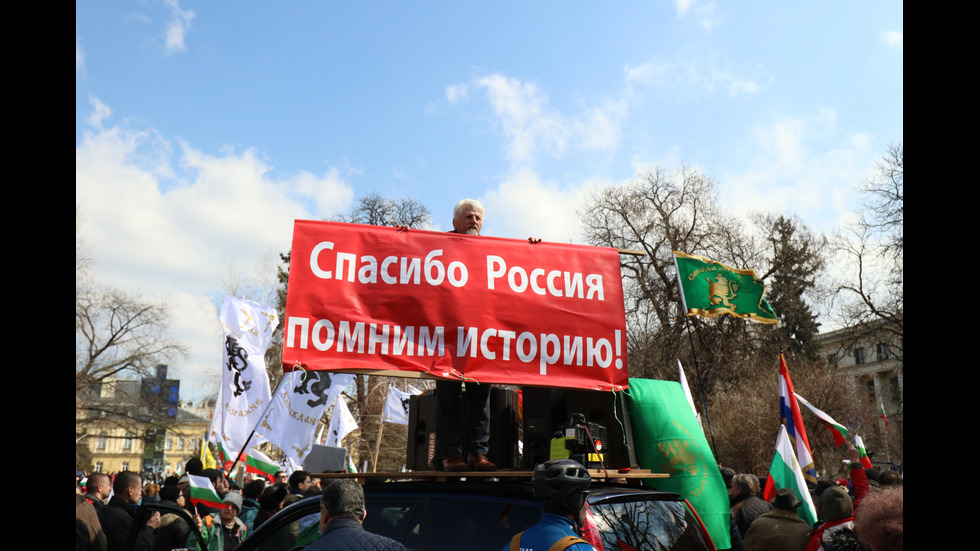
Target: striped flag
258 463
862 452
202 491
790 417
785 472
883 415
838 430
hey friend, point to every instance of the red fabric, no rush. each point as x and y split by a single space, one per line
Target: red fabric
448 305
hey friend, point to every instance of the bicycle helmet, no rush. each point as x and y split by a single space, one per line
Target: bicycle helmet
562 485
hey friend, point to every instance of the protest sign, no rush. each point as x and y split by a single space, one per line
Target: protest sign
445 305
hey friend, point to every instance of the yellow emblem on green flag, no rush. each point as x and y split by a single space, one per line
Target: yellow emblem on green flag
710 288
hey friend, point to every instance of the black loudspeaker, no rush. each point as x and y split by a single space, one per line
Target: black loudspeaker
421 431
546 411
506 427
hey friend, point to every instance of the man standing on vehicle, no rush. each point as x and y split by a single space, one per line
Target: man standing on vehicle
474 434
342 511
117 516
562 485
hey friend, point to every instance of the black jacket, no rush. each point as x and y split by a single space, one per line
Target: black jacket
345 534
117 519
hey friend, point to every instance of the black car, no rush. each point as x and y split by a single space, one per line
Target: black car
477 516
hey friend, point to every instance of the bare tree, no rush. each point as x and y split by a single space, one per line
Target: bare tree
727 359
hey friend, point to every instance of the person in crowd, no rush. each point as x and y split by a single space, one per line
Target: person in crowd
150 492
299 482
250 502
225 530
281 478
781 529
835 510
453 438
117 516
562 486
88 530
270 503
97 490
174 530
746 505
889 478
879 522
342 511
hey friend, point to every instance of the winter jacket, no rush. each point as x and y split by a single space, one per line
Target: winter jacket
778 530
347 534
117 519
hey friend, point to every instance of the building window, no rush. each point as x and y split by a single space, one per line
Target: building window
128 442
180 444
125 465
859 356
832 360
169 445
101 442
881 351
98 466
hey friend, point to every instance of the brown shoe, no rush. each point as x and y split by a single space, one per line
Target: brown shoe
454 463
479 462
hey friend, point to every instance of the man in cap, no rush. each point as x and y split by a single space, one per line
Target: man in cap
781 529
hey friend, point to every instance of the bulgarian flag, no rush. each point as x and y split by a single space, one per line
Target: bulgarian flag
203 492
838 430
792 419
862 452
785 472
883 416
258 463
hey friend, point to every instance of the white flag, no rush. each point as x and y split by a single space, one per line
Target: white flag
687 392
396 405
244 392
342 423
296 410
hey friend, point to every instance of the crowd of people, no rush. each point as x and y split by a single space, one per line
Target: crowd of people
862 512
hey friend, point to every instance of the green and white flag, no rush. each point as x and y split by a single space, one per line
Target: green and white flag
785 472
202 491
838 430
709 289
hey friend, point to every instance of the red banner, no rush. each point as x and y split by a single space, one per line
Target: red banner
445 305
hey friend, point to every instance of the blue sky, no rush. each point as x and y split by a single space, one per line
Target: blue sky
203 129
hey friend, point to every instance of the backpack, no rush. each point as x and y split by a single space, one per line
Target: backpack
560 545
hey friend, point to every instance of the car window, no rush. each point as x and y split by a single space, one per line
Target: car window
287 535
648 524
399 521
478 525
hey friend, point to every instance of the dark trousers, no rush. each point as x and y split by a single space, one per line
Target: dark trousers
457 431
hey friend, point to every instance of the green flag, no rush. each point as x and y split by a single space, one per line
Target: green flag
709 289
670 440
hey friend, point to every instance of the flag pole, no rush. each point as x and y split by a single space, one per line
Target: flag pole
381 428
704 400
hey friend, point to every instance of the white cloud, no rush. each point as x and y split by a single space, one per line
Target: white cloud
177 27
167 223
894 39
100 112
681 77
